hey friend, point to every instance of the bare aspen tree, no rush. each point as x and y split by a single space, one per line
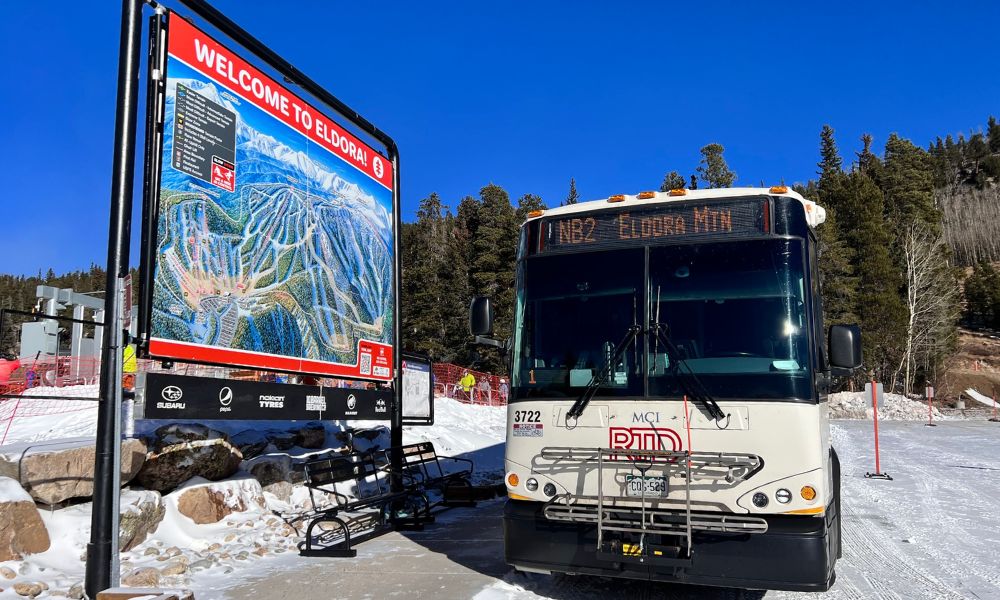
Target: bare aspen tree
931 300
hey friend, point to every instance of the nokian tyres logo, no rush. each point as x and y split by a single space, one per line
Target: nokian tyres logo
171 396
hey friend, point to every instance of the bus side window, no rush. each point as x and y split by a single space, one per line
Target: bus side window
819 337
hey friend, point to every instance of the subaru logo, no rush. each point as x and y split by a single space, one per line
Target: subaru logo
351 402
172 393
225 396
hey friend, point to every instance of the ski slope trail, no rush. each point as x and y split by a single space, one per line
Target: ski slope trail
931 532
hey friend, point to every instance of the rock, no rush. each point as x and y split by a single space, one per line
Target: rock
282 440
141 513
200 565
151 551
282 490
260 550
311 435
174 568
7 573
181 433
270 469
144 577
230 537
213 547
212 459
172 551
205 502
21 528
29 590
250 442
242 555
53 472
76 591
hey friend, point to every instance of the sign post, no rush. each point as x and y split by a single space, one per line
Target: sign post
929 392
99 574
878 474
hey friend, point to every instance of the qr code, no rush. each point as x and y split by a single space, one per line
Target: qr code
366 364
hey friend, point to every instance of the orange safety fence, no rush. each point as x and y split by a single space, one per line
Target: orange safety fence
482 388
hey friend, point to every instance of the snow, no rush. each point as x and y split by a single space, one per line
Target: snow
928 533
11 491
220 555
858 405
981 398
70 391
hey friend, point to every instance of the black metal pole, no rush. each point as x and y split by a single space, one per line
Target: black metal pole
99 560
396 424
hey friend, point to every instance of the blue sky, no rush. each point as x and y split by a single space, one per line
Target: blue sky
525 95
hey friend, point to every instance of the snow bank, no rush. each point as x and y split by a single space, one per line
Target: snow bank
858 405
981 398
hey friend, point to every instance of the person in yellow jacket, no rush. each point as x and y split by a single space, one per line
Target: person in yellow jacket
468 381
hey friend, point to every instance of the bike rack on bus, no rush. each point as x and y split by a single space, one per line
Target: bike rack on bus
639 515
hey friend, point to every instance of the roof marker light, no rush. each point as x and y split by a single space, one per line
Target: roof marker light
616 198
645 195
535 213
679 192
779 189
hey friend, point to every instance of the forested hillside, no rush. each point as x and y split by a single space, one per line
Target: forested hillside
906 252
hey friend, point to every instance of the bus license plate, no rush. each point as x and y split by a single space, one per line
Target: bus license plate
650 487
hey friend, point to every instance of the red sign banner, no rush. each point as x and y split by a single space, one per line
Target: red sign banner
202 53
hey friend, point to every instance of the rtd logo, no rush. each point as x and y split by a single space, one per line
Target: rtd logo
644 438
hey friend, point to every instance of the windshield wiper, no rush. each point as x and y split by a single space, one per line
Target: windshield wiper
692 385
597 380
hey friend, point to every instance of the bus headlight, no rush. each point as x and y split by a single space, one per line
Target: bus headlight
531 484
549 489
760 499
783 496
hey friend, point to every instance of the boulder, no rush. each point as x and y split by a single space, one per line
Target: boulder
207 502
141 513
270 469
144 577
53 472
213 459
28 590
282 440
21 529
179 433
250 442
282 490
311 436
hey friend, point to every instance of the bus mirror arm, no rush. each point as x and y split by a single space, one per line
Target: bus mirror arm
485 341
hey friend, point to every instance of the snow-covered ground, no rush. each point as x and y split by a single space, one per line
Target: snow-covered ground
222 554
858 405
929 533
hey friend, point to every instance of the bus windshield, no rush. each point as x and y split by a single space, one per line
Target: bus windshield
734 312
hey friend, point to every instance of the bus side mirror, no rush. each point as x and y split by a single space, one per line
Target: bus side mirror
845 349
481 316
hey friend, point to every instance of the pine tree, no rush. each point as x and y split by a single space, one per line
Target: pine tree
868 163
713 169
494 249
526 204
694 183
830 164
908 185
672 181
423 319
879 304
993 135
572 197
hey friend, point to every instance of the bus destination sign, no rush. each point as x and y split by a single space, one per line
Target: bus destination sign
657 223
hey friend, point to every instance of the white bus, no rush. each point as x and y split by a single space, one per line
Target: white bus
667 416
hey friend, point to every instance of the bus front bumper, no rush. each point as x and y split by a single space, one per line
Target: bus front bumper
797 553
